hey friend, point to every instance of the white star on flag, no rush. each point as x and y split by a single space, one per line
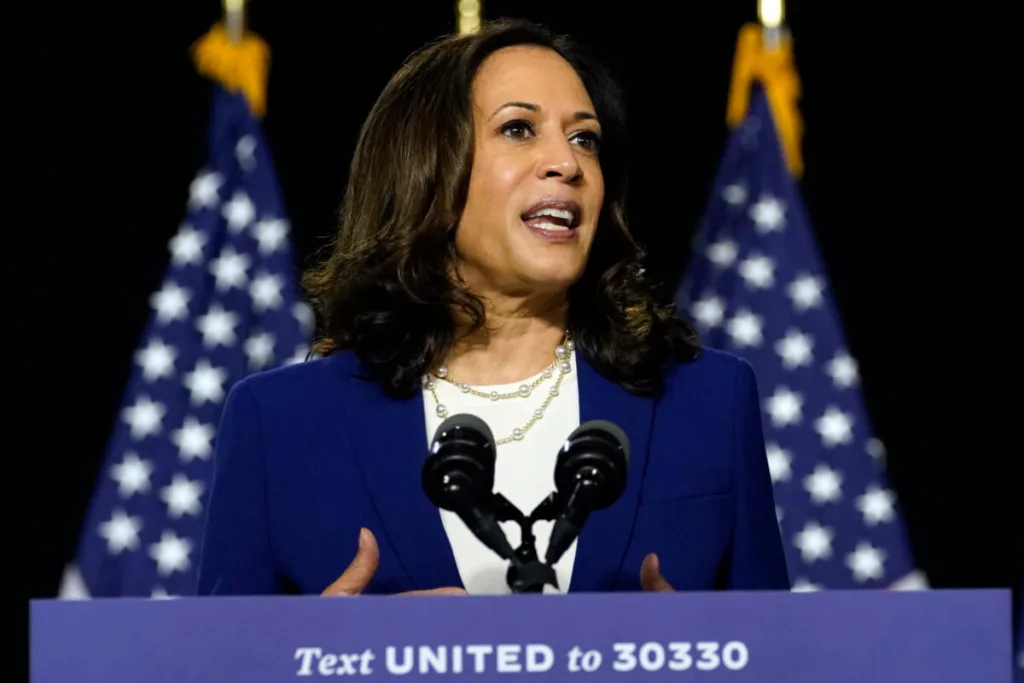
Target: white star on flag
735 194
145 417
768 214
265 291
132 475
230 269
193 439
758 271
187 246
843 370
245 152
745 329
866 562
203 192
206 383
779 462
218 326
239 212
182 496
121 532
876 505
156 360
722 253
823 484
835 427
170 303
171 553
795 349
259 348
709 311
814 542
272 234
805 292
784 407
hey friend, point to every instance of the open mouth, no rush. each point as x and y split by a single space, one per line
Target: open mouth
553 218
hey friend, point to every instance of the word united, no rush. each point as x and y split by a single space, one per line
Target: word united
403 660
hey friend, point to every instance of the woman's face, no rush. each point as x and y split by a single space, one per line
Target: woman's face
535 189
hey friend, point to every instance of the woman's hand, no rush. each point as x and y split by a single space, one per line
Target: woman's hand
651 578
358 574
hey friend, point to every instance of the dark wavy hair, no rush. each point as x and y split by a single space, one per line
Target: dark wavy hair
385 292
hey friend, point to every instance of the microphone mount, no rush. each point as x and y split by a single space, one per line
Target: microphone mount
527 573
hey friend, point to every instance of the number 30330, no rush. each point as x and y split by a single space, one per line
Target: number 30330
680 656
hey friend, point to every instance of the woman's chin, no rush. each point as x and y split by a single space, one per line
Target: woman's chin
553 277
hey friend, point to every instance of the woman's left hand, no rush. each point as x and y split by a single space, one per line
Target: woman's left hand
651 578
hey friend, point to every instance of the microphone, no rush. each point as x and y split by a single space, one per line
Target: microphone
590 474
458 476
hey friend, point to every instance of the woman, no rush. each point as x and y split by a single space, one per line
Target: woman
483 265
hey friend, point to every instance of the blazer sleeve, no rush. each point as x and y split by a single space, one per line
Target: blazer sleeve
758 560
236 555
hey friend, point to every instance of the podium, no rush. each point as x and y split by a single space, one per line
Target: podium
958 636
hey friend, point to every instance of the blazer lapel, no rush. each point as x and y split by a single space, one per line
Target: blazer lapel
602 543
390 441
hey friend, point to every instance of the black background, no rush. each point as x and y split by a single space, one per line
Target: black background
913 185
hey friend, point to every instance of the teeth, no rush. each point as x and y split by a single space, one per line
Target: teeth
554 213
549 226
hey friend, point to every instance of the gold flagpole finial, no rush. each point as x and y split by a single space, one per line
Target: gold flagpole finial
764 54
467 14
235 58
234 19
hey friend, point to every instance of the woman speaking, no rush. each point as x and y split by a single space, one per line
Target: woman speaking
483 265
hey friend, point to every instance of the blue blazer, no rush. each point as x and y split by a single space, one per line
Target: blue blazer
309 453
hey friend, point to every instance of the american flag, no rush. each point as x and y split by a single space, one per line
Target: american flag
756 287
228 306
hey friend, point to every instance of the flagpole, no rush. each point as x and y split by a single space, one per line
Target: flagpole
467 14
771 14
234 19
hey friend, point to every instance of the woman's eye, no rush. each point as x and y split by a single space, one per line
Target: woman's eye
517 129
590 141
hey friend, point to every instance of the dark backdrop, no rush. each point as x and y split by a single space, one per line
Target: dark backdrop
912 185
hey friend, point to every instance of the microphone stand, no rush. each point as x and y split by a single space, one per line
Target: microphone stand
526 572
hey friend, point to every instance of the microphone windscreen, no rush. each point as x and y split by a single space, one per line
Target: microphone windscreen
610 428
463 421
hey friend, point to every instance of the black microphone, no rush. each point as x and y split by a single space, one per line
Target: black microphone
459 476
590 474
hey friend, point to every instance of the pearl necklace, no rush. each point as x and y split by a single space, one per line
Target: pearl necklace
561 364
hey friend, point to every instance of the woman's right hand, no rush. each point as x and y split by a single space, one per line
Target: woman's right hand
358 574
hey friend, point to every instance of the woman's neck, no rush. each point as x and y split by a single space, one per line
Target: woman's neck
515 343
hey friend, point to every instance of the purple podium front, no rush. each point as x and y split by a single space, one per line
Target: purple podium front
827 637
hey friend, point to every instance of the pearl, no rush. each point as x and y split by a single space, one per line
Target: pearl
561 352
429 383
570 345
565 366
442 372
517 433
524 390
554 391
464 387
495 395
538 413
547 373
442 410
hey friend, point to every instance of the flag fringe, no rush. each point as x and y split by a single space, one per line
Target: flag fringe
237 66
773 67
